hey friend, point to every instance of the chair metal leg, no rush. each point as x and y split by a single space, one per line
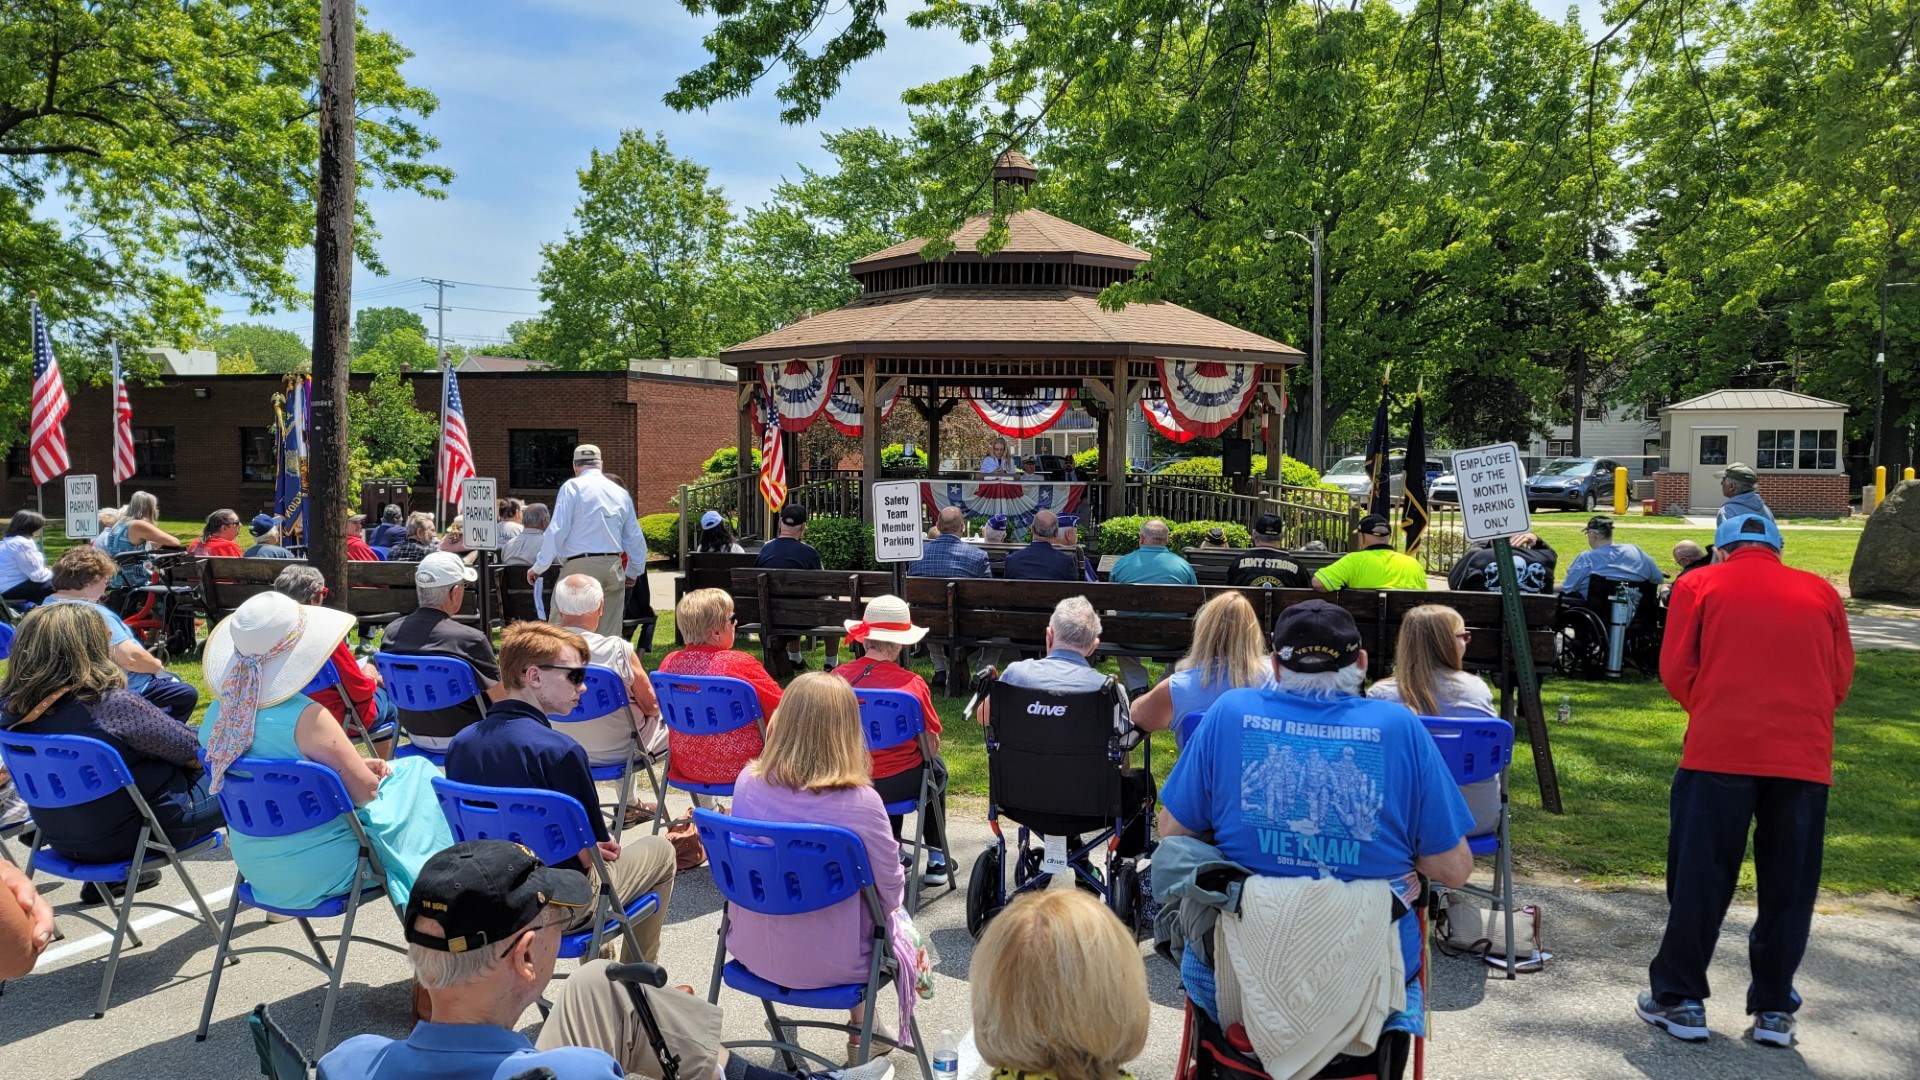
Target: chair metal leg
719 961
339 969
123 930
919 851
313 940
778 1035
1503 871
193 890
219 959
920 1048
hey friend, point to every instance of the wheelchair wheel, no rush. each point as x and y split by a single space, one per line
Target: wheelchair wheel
1580 644
1124 894
983 891
1026 869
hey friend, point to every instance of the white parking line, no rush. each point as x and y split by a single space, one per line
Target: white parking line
970 1062
151 919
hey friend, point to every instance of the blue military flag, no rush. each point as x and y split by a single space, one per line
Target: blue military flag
290 438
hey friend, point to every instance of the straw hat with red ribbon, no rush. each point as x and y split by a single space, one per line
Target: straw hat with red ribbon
887 619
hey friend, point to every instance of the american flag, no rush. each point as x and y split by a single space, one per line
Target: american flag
48 445
456 455
122 423
773 460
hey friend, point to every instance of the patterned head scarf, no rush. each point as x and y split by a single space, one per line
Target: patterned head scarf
240 700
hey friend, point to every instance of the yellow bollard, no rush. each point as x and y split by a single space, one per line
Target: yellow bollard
1907 473
1619 490
1879 485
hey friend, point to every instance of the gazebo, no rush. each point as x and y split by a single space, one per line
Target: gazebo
1019 335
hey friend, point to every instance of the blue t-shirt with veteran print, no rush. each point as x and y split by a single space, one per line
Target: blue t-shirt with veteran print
1292 785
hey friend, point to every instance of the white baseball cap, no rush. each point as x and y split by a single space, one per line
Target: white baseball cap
443 568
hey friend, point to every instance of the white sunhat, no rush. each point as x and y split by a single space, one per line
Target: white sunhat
887 619
259 625
443 568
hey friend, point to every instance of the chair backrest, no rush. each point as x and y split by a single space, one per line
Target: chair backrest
551 825
603 695
55 771
705 704
424 683
268 797
1052 752
1475 748
776 868
280 1059
889 718
378 551
326 678
6 640
1185 726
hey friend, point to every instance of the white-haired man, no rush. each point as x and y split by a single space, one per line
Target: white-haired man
431 629
580 602
1313 778
524 548
483 926
595 532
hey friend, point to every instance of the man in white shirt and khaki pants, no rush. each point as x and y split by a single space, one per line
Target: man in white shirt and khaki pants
593 525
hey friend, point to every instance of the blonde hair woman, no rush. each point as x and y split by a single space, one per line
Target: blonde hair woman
1059 992
1228 653
815 771
1428 678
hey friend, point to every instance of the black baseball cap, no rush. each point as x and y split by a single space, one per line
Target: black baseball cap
482 892
1375 525
1600 523
1267 525
793 514
1314 636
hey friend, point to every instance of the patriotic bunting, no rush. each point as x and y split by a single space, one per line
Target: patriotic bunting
1207 396
1018 500
843 407
799 389
1020 415
1162 421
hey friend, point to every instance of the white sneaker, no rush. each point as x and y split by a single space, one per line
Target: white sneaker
877 1069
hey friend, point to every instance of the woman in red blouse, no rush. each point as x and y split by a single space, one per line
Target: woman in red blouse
886 632
705 621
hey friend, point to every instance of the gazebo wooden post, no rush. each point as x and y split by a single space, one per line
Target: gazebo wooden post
931 412
869 429
745 497
1113 457
1276 431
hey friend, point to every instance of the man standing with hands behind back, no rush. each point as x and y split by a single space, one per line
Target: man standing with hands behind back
593 526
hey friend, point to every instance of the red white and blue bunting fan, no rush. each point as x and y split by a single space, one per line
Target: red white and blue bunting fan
1162 421
1020 415
1019 500
843 406
800 389
1207 396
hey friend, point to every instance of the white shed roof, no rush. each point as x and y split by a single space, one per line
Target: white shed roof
1754 399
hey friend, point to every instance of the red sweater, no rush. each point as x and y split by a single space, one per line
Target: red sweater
886 675
718 759
1760 657
359 687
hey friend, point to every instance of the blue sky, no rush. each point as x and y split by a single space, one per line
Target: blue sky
527 90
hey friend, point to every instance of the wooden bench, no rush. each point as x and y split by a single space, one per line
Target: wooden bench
514 600
802 603
377 593
1210 565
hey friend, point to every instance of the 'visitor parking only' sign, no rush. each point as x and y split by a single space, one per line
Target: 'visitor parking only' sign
897 517
1493 491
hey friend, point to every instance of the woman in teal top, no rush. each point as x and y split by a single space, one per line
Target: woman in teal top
261 657
1228 653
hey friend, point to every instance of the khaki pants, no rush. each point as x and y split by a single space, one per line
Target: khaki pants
645 866
591 1010
604 569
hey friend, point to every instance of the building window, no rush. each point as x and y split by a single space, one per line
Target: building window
153 453
1653 456
1713 449
1559 448
541 458
256 456
17 464
1593 413
1812 450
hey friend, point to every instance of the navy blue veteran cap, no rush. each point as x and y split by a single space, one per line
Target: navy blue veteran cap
482 892
1315 636
1375 525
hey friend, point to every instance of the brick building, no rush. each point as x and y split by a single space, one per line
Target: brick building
206 442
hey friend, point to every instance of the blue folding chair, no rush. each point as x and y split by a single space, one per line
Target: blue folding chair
890 718
1479 748
697 706
379 552
816 866
1185 726
425 683
6 640
268 797
328 678
603 695
56 771
556 829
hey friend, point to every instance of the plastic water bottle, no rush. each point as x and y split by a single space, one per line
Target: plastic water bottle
946 1056
1566 708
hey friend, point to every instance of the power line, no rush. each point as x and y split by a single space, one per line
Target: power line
480 285
496 311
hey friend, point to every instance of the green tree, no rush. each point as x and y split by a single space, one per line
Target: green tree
384 426
372 324
259 347
402 349
641 273
158 151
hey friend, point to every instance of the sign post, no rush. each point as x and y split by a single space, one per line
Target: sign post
480 522
83 507
1493 506
899 529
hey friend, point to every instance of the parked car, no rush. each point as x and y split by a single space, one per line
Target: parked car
1350 474
1572 484
1444 489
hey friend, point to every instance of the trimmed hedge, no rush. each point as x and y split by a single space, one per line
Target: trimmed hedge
1293 472
725 461
843 543
663 534
1121 535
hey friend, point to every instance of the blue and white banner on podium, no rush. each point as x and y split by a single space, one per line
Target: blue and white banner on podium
1018 499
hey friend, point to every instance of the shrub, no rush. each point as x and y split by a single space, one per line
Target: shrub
893 459
1292 472
1121 535
663 534
725 462
843 543
1191 533
1087 463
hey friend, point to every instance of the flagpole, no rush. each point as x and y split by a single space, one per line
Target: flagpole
114 427
440 497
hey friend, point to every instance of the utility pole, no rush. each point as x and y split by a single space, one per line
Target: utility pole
1880 370
333 299
1316 447
440 324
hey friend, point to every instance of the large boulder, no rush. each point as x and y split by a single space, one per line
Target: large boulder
1886 566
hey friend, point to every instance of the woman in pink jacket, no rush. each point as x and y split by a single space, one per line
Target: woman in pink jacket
815 770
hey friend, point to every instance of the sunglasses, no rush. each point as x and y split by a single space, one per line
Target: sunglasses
575 675
1464 636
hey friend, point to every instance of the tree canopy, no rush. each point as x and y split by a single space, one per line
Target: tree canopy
371 325
258 347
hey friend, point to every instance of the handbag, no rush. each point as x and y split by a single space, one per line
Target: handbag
1467 928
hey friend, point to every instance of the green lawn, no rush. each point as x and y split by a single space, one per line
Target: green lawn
1829 554
54 540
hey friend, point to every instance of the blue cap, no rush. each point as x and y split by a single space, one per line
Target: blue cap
1069 521
709 519
997 521
1747 528
264 524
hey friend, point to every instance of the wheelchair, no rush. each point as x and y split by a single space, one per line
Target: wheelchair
1055 767
1583 625
162 614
